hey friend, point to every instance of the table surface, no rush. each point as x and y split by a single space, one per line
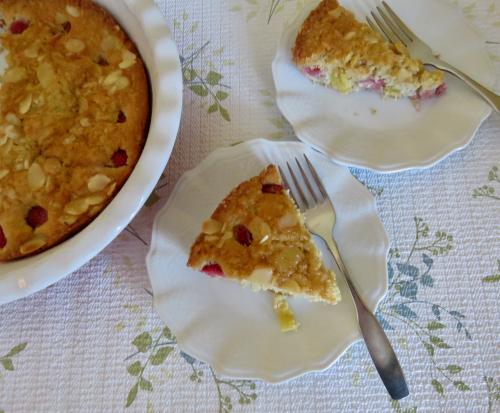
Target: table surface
93 342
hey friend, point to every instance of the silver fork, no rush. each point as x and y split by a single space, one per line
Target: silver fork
320 220
395 30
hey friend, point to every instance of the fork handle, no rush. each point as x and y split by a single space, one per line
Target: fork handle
490 97
379 347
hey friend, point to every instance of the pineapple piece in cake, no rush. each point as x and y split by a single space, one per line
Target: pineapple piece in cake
284 312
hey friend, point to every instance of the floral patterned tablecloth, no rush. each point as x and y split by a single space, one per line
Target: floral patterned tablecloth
93 343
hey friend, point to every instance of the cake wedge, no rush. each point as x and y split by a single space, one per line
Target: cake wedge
257 236
334 49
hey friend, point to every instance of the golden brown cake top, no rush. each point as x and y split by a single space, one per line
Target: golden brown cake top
334 33
257 236
74 108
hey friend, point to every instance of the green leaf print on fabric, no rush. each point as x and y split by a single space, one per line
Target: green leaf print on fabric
396 405
156 351
243 388
7 362
493 278
493 389
408 278
265 9
200 75
437 386
489 190
154 347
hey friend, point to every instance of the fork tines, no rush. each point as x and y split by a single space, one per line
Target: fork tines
307 189
390 25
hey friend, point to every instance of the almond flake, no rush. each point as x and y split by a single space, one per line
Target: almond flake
31 52
72 11
46 75
94 210
13 119
3 140
12 132
3 173
34 244
128 59
95 199
60 18
287 221
74 45
52 165
76 207
121 83
211 227
36 177
7 147
110 43
68 219
112 78
10 193
25 104
69 140
98 182
85 122
14 75
49 185
111 189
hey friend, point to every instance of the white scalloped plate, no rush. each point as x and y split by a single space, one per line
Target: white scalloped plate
232 328
364 130
146 26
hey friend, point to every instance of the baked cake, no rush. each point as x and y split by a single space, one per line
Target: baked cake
257 236
335 50
74 112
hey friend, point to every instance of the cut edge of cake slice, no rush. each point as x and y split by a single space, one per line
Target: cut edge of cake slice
337 51
257 236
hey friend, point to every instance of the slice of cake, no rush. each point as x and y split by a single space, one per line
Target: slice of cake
335 50
258 237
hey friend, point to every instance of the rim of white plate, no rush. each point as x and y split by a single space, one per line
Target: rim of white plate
271 377
338 156
158 49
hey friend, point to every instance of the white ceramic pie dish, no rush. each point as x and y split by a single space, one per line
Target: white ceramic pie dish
144 23
364 130
234 329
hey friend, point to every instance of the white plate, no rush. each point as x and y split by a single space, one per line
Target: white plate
235 329
396 137
147 27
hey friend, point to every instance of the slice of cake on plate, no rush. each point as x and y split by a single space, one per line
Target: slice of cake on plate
257 236
335 50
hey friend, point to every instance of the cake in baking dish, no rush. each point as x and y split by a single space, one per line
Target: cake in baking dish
74 113
335 50
257 236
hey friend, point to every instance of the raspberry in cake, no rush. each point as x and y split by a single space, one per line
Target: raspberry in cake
74 112
335 50
257 236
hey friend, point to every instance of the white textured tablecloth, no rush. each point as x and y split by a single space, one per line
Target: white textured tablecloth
92 342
